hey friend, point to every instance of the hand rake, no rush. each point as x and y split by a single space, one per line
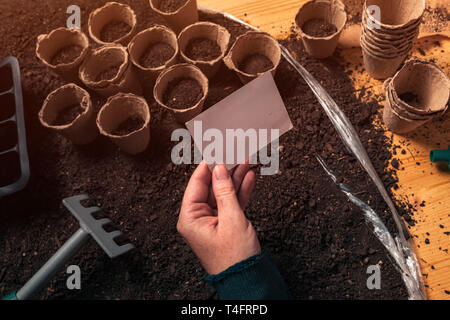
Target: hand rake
89 226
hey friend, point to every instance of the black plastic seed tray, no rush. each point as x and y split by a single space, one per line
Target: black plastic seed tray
14 164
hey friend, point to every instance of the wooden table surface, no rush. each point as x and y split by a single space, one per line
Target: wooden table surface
419 180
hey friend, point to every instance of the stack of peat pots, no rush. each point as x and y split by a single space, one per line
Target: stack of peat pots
389 29
415 95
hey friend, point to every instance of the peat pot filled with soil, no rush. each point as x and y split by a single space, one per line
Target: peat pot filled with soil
112 23
320 24
68 110
108 71
153 50
253 54
178 13
63 51
125 120
204 44
182 89
416 94
421 87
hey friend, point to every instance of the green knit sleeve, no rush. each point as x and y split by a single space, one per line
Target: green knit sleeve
256 278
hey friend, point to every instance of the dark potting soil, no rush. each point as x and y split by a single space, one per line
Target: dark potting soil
318 28
68 114
128 126
318 238
410 98
108 74
67 55
203 49
157 55
171 5
255 64
183 93
114 30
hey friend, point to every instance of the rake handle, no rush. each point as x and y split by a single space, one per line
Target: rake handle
51 267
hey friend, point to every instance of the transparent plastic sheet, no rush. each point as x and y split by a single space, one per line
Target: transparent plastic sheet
399 247
406 263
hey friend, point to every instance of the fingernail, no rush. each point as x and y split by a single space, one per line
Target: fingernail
221 173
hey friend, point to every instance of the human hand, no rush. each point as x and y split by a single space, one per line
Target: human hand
219 237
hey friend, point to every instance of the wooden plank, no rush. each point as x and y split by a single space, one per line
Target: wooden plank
275 17
419 180
418 183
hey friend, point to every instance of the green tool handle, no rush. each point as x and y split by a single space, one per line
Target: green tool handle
440 156
11 296
51 267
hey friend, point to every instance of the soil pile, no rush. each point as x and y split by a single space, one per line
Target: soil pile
317 237
130 125
114 30
171 5
183 93
108 74
255 64
69 114
319 28
410 98
67 55
156 55
202 49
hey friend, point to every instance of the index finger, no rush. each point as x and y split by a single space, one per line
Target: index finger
197 190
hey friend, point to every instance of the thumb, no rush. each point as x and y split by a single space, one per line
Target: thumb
224 192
